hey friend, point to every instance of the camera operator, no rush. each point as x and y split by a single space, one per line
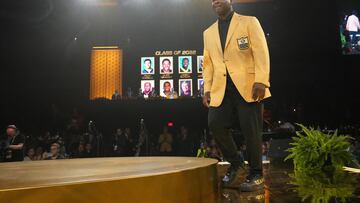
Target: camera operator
14 145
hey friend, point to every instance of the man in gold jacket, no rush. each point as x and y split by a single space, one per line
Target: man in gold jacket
236 75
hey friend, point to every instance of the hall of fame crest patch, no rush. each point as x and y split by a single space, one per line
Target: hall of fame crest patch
243 43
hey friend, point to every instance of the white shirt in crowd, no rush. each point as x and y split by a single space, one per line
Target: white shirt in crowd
353 24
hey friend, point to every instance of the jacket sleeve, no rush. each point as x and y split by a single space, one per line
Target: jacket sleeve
208 68
260 52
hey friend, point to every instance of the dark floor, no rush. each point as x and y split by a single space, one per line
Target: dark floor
283 187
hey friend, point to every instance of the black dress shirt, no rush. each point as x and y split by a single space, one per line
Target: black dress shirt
223 32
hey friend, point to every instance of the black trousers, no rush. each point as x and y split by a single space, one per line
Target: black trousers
220 120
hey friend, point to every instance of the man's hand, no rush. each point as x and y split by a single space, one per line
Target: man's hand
206 99
258 91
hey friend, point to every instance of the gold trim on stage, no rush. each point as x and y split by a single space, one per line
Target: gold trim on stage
140 180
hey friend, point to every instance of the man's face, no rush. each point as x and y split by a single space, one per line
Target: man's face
185 63
31 152
10 132
183 130
147 87
221 7
39 151
54 150
88 147
81 148
167 87
74 122
119 131
166 66
147 64
127 131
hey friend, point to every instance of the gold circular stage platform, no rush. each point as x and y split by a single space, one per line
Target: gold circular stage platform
102 180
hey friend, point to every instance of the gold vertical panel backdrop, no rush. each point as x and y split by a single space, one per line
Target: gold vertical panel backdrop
105 72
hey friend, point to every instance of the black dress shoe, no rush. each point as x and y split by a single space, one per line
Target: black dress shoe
252 183
230 177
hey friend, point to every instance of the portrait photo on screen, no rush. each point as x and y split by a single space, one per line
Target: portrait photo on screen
185 64
166 87
147 66
200 63
200 87
200 84
185 88
147 87
166 65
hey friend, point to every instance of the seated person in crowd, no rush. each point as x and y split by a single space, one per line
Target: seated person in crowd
184 143
116 96
30 154
165 141
55 152
40 154
89 151
79 152
119 143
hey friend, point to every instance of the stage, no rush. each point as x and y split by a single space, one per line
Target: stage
151 179
161 180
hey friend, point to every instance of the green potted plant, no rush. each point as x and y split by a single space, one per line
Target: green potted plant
313 151
318 160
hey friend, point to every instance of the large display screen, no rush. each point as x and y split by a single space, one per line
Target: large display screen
350 29
161 43
171 74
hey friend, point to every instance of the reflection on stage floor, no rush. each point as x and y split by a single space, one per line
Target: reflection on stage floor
283 186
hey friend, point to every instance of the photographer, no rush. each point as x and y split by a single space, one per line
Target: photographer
14 145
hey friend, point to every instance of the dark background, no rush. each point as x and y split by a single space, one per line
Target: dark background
41 63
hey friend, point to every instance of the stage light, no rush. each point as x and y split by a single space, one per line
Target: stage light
106 47
102 3
170 124
88 1
249 1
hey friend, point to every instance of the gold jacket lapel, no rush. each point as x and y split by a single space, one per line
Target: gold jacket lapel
217 36
233 27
